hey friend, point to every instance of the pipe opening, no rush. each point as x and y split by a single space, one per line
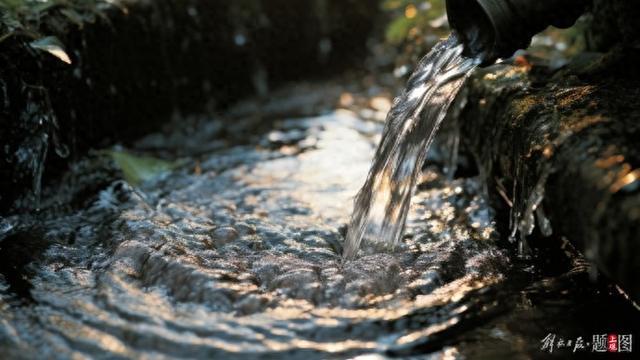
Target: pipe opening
472 23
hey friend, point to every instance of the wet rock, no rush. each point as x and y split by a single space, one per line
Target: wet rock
559 151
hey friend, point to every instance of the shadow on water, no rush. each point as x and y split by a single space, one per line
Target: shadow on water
17 251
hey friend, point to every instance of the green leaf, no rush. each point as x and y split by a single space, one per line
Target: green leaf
138 169
398 30
53 46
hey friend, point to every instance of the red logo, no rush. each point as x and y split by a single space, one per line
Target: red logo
612 342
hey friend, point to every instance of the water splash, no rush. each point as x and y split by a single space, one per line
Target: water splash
382 204
527 210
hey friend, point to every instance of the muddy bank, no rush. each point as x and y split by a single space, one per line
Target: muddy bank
135 63
560 155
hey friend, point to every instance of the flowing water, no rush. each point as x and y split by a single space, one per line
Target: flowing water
236 253
382 204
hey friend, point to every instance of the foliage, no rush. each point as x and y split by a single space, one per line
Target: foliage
53 46
412 19
138 169
25 17
561 43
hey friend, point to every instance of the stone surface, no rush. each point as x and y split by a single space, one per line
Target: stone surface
563 147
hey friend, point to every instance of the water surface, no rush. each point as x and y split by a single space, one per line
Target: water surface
237 253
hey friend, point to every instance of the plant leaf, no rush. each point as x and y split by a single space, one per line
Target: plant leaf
53 46
138 169
398 30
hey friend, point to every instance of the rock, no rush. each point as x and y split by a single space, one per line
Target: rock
561 149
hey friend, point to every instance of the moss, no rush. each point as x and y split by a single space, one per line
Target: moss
522 106
577 130
574 97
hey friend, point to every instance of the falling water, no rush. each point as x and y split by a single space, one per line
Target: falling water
382 204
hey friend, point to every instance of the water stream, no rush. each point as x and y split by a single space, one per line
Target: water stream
382 204
237 253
